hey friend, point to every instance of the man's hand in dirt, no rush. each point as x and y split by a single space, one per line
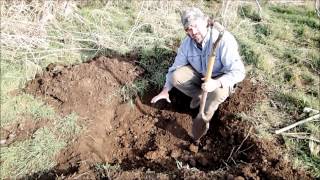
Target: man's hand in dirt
164 94
210 85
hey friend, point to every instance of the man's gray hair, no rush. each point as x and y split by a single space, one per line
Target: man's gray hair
190 15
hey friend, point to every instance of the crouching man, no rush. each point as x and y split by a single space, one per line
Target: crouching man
190 65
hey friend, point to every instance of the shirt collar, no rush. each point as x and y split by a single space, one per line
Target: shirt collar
206 38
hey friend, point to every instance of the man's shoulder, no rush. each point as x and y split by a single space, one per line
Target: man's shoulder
228 36
186 42
229 39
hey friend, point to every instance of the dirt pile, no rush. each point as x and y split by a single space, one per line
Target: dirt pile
152 141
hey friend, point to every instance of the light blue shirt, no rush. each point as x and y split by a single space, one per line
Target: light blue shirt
228 62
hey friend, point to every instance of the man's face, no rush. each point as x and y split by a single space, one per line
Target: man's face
197 30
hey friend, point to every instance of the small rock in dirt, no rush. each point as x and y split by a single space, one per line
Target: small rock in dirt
193 148
185 143
192 162
208 141
185 158
21 127
239 178
125 126
230 177
149 171
3 141
206 147
120 132
156 119
203 161
174 176
151 155
175 153
12 135
127 145
264 169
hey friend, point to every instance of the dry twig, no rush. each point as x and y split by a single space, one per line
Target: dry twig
259 8
312 118
301 137
318 7
232 151
230 154
310 110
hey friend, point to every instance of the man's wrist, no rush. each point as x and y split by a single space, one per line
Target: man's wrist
165 89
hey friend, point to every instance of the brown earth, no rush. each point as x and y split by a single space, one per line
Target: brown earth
153 141
20 131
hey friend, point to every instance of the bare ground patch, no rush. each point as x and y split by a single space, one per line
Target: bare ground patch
150 141
20 131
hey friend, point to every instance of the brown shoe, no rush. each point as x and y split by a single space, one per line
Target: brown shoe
195 102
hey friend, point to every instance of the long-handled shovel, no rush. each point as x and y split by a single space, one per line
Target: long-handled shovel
200 124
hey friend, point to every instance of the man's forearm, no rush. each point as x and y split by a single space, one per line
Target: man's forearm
232 78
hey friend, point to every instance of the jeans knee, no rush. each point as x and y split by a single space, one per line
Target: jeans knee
219 95
176 78
184 77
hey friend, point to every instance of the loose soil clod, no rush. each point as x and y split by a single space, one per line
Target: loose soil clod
147 140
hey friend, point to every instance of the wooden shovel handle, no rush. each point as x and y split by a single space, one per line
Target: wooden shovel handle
204 94
210 68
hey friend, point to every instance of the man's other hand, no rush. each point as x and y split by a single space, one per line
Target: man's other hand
164 94
210 85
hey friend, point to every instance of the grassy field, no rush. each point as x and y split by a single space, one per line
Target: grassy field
280 47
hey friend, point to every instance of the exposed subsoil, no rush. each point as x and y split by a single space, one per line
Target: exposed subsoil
153 141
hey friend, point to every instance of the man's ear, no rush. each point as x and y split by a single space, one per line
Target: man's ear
210 22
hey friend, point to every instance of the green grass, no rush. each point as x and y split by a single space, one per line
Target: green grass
155 62
293 10
314 60
16 108
37 154
105 170
294 100
302 156
12 78
282 46
248 11
32 155
297 16
67 127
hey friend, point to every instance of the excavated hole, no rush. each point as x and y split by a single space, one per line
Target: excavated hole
144 138
221 147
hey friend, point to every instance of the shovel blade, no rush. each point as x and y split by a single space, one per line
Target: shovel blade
199 128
